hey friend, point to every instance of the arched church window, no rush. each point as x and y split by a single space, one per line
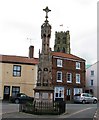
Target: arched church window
64 40
63 50
58 40
58 50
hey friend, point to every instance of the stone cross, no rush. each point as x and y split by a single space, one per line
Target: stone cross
46 10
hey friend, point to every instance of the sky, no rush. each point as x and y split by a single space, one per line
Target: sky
21 20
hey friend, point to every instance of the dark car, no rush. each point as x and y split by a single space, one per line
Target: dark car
21 98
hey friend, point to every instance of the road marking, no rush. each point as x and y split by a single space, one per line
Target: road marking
76 112
81 111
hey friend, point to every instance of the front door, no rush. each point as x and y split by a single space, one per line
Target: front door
68 94
6 92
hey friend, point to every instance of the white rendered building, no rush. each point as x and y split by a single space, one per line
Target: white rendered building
92 80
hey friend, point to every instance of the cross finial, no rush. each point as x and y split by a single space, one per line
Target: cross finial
46 10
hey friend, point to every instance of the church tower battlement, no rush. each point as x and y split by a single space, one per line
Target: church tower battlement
62 42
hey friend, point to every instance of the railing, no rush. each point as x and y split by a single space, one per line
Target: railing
55 108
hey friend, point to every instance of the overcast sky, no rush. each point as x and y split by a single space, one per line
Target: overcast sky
22 19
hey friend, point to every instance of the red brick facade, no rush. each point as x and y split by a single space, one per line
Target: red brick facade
68 66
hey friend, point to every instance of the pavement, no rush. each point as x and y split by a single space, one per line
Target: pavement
96 116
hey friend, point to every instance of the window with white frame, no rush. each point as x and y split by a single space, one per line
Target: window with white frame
77 65
78 90
59 92
92 72
16 70
59 63
59 76
91 82
69 77
77 78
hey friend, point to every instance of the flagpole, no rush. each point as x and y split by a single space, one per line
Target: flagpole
61 27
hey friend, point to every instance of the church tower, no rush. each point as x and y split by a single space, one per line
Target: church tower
44 90
62 42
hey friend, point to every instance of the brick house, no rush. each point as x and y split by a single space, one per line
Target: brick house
68 75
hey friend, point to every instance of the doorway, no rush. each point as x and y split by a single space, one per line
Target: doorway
6 92
68 94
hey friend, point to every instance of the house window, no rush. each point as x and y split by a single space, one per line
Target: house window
69 77
59 76
92 72
16 71
77 78
78 90
15 90
59 63
91 82
77 65
59 92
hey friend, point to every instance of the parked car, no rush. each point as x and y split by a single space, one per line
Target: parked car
85 98
21 98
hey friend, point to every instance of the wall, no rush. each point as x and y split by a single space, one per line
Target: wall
26 81
90 77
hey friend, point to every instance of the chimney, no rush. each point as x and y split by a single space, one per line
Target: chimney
31 51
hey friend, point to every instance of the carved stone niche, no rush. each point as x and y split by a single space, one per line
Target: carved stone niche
39 69
45 69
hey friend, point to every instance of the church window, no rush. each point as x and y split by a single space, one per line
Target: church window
63 50
58 40
58 50
64 40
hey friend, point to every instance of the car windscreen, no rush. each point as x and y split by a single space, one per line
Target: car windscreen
77 94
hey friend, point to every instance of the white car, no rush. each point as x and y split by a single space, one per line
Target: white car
85 98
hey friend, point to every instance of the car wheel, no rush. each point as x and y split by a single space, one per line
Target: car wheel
95 101
16 101
83 101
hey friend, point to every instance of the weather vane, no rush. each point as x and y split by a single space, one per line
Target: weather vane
46 10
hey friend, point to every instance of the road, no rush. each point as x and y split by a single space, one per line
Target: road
72 111
80 111
6 107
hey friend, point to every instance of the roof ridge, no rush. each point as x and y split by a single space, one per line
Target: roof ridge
67 55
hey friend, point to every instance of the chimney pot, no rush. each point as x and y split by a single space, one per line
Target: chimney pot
31 51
